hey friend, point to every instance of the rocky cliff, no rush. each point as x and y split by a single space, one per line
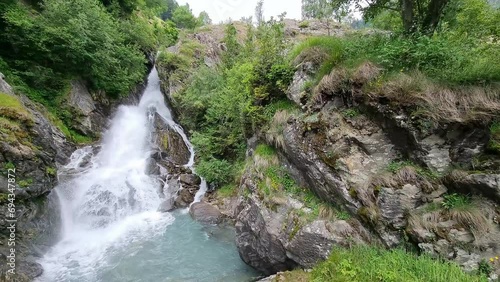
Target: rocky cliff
31 150
406 180
361 160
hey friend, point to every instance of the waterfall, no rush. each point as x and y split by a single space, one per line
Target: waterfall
108 201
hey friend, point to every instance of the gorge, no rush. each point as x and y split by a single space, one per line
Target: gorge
139 142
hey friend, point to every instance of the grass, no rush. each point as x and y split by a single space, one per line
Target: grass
69 133
51 171
227 191
274 134
265 151
11 108
494 143
364 263
397 166
351 113
456 201
465 212
25 183
422 73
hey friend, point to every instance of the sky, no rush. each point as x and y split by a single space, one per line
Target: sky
222 10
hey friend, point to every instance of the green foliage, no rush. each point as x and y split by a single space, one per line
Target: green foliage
456 201
51 171
25 183
204 19
265 151
396 166
9 165
148 33
69 38
484 267
363 263
388 20
227 191
494 143
183 17
351 113
343 215
215 171
462 52
304 24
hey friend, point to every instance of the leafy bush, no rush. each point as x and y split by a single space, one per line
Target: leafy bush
70 38
494 143
215 171
362 263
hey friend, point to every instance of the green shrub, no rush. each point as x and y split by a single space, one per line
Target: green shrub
265 151
494 143
215 171
363 263
456 201
304 24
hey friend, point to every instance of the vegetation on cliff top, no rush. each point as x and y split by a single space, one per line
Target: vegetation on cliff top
45 44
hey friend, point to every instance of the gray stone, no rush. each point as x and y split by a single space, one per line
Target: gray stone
167 205
190 179
205 213
295 91
314 241
469 261
460 236
258 245
168 140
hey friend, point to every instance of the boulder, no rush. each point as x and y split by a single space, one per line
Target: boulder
314 241
169 141
205 213
258 244
190 179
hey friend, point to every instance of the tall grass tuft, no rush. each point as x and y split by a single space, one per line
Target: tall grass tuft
364 263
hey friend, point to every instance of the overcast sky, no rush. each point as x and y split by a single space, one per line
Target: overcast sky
221 10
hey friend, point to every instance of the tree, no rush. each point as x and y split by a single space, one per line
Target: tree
172 5
183 17
259 12
416 15
204 18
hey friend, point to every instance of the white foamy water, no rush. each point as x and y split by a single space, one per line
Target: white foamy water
109 211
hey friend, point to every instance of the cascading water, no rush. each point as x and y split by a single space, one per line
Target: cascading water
111 228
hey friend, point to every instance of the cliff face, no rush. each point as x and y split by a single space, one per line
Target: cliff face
432 186
371 162
32 148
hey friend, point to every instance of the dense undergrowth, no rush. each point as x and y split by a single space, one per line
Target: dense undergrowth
46 44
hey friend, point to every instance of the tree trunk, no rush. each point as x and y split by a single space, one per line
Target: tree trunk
408 15
433 15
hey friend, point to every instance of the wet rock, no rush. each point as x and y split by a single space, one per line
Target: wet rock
83 104
169 141
460 236
205 213
190 179
167 205
437 153
185 197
